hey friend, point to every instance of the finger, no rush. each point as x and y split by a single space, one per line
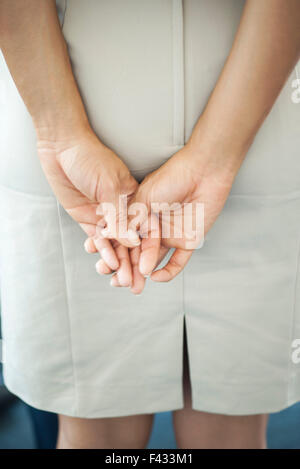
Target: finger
129 221
150 247
102 268
115 216
89 229
163 251
114 282
89 246
124 272
107 252
176 264
85 214
129 239
138 280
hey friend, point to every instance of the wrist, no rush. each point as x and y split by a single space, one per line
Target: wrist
53 142
216 148
60 127
60 114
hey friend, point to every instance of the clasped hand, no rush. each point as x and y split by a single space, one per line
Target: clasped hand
172 208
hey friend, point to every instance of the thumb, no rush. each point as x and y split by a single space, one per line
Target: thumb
115 214
146 223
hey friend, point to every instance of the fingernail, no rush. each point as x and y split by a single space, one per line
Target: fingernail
113 282
98 264
136 294
109 258
133 237
86 245
105 232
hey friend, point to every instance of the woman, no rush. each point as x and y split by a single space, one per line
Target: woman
106 360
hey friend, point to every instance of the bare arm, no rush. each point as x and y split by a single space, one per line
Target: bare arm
36 54
266 48
81 170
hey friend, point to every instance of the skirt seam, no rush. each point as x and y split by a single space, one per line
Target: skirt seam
67 297
286 196
44 197
178 72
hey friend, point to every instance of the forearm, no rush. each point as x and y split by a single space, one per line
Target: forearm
266 48
37 57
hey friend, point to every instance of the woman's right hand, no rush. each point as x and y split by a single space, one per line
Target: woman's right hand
84 173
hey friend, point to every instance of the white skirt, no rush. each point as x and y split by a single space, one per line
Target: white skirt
75 346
